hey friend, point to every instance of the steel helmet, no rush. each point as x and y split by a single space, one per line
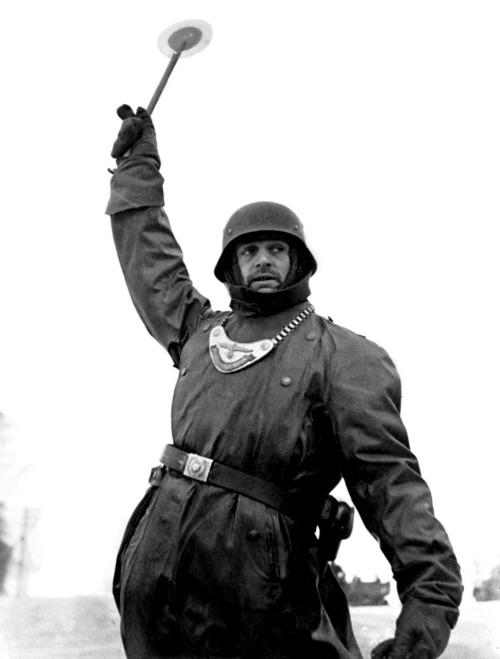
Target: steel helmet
258 217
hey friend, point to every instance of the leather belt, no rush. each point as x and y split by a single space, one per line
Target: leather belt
206 470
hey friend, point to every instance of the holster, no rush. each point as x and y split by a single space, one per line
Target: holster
335 524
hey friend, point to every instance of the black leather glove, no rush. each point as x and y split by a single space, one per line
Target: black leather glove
136 137
422 632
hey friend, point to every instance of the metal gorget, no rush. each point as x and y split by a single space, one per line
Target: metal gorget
229 356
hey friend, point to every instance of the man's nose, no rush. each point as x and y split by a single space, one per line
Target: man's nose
262 258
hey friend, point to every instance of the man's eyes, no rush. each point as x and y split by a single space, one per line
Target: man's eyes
250 250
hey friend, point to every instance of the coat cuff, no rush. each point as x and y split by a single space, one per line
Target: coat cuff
135 184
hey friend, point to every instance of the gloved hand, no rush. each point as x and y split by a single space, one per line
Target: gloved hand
422 632
136 137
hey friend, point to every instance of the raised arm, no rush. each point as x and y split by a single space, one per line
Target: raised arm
150 257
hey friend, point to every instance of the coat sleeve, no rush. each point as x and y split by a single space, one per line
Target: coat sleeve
150 257
384 479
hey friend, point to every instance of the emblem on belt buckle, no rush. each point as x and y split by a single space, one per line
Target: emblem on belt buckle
197 467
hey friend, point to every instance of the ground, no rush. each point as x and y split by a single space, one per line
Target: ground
88 628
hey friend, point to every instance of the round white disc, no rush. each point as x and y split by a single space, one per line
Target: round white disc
194 35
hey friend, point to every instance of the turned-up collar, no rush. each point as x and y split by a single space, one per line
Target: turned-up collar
251 303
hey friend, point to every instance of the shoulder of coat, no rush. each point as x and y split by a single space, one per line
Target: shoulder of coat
346 340
209 318
332 328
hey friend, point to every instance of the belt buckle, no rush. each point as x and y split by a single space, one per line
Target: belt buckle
197 467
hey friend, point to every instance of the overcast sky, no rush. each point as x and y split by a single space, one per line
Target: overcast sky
377 122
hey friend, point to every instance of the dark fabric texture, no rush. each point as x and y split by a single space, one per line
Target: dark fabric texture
207 572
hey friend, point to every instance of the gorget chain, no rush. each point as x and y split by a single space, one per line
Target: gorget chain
229 356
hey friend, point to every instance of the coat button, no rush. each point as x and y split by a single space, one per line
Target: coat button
253 535
286 382
184 371
206 327
311 336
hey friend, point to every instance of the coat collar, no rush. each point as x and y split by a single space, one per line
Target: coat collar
251 303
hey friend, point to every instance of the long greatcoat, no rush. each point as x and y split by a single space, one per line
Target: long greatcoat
207 572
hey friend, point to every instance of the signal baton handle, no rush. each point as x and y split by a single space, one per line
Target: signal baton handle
161 85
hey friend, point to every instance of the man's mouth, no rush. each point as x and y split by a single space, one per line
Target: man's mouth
264 282
267 277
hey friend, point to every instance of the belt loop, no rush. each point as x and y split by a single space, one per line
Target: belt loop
156 475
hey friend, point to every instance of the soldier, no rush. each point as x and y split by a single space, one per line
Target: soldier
274 405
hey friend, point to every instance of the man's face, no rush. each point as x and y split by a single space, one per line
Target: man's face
264 263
